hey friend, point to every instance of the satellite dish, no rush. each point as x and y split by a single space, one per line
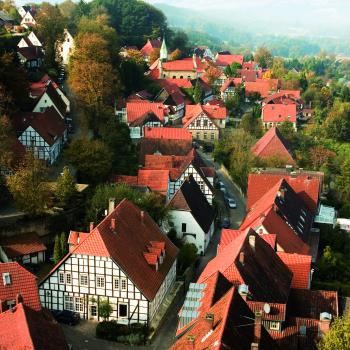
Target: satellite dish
267 308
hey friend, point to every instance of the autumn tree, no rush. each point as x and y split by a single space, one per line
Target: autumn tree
27 186
154 55
93 79
6 154
338 337
320 156
175 55
337 123
264 57
50 26
213 74
91 158
135 55
65 187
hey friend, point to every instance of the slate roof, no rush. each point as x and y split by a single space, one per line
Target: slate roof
23 282
267 277
189 197
134 231
31 53
24 328
279 113
273 144
49 125
307 185
26 243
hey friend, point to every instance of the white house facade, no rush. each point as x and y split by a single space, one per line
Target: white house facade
133 280
65 48
28 20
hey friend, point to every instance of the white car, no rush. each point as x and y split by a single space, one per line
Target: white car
231 203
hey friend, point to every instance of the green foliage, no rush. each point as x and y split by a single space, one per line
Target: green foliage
65 187
197 93
187 256
152 202
339 335
133 20
64 244
342 182
337 123
27 186
231 70
104 309
57 250
91 158
251 124
264 57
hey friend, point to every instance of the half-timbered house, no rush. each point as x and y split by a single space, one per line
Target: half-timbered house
42 133
180 168
125 260
30 40
205 121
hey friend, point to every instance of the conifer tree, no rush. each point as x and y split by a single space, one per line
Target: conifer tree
57 252
64 245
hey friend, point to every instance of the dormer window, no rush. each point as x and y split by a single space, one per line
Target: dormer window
6 278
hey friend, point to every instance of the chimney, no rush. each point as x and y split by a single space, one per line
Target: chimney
209 319
142 216
91 226
111 205
113 224
19 299
257 327
324 324
241 258
252 241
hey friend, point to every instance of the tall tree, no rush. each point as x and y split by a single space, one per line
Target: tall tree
231 70
198 93
65 187
57 251
6 154
50 26
27 186
264 57
63 244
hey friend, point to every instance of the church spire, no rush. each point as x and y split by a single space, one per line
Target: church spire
163 51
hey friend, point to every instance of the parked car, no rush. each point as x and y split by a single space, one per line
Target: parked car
65 316
231 203
226 223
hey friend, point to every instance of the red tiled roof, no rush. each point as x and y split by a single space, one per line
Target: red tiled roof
156 180
273 144
212 112
300 265
279 113
16 246
150 46
134 230
277 311
249 75
295 93
137 110
24 328
39 87
49 125
261 268
306 185
184 65
167 133
125 179
76 237
231 82
181 83
216 102
23 282
226 60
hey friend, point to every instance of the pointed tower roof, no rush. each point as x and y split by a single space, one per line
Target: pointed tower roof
163 51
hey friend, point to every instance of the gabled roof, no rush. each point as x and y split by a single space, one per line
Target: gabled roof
273 144
76 237
226 60
231 82
307 185
125 245
49 125
184 65
279 113
137 110
232 328
22 282
150 46
189 197
24 328
167 133
173 91
156 180
31 52
38 88
267 277
181 83
55 97
16 246
284 97
249 75
300 265
211 111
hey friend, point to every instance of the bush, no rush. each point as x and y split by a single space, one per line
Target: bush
107 330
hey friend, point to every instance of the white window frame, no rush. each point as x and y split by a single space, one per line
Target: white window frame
61 278
275 326
68 278
127 310
100 279
79 304
81 276
6 278
116 283
68 303
123 282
